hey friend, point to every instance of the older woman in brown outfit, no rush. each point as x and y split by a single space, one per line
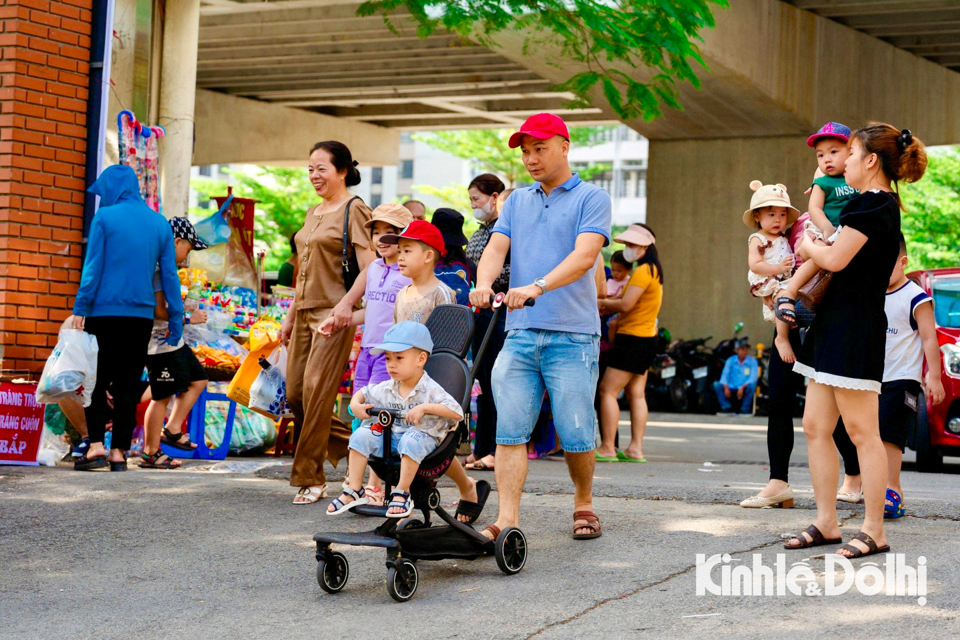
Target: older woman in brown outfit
315 364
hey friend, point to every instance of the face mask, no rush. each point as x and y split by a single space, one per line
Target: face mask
630 254
483 214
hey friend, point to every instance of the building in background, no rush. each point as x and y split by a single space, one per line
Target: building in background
622 149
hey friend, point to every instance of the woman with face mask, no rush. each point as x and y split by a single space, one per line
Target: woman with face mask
634 347
487 194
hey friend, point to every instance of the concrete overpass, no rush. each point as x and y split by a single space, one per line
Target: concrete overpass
281 74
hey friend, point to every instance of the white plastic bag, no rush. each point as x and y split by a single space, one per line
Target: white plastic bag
52 448
71 370
268 392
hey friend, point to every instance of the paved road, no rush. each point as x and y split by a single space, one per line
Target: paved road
225 555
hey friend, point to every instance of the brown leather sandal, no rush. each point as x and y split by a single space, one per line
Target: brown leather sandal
816 539
856 552
591 521
492 528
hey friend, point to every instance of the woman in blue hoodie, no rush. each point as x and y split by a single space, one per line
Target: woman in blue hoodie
115 303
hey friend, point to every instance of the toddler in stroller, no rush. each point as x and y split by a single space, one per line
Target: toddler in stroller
408 539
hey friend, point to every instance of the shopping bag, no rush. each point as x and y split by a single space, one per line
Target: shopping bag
264 340
268 393
71 370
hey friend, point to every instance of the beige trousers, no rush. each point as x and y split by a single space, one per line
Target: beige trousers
314 367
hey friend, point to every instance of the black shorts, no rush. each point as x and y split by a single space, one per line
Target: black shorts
631 353
171 373
898 410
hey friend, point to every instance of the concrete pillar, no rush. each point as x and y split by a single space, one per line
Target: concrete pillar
697 191
178 85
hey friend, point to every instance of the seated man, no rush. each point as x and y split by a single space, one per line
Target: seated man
430 413
738 382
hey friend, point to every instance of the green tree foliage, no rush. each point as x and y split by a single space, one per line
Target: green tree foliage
285 194
487 150
931 224
616 41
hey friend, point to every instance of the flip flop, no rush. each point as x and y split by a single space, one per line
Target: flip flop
472 510
601 458
479 465
872 548
84 463
816 539
622 457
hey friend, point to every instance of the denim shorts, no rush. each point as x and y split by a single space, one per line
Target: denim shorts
412 443
566 366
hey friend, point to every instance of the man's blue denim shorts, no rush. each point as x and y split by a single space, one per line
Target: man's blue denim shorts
566 366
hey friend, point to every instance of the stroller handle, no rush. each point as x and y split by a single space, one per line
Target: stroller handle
497 301
380 414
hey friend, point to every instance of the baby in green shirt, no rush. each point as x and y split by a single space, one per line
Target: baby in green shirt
830 193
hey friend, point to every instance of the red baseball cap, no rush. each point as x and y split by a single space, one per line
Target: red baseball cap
541 126
419 230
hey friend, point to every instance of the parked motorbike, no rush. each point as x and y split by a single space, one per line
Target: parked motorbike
692 387
662 372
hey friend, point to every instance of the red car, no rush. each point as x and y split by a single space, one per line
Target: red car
938 428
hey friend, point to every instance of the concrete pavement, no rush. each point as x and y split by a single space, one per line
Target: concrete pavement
225 555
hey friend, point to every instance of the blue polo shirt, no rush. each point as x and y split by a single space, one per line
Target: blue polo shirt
543 231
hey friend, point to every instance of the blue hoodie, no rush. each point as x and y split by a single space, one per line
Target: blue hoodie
127 241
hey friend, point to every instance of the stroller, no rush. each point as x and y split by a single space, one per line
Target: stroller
410 539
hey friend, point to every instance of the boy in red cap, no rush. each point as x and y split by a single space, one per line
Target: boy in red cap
421 245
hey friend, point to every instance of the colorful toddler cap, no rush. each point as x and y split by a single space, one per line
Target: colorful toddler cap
830 130
769 195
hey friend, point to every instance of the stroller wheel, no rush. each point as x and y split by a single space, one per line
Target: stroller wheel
402 580
511 550
332 573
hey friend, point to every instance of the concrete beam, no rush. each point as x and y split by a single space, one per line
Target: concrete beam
767 77
237 130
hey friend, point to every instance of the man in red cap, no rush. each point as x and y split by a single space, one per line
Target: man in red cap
553 231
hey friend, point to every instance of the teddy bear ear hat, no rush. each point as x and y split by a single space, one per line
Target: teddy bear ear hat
769 195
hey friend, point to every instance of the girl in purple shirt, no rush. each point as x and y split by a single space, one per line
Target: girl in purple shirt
381 281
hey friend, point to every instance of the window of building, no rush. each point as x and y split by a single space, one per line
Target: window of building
376 176
406 169
406 137
206 172
641 184
375 200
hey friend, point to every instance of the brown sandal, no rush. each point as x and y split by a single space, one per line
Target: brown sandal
492 528
856 552
592 523
816 539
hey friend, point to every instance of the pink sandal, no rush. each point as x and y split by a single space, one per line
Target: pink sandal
375 495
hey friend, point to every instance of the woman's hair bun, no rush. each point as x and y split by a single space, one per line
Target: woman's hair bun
755 184
353 177
356 164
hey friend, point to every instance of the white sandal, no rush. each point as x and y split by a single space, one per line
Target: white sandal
339 506
310 495
851 497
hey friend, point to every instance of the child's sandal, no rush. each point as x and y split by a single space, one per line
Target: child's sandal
339 506
786 315
374 495
400 499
